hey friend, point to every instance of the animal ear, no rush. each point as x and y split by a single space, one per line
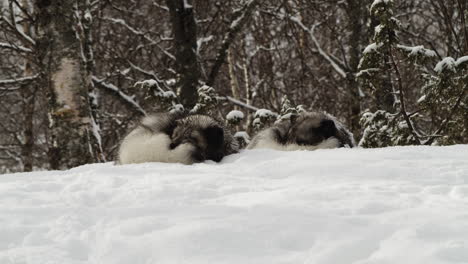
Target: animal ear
328 127
214 134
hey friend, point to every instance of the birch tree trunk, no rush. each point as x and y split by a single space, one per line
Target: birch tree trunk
65 79
28 93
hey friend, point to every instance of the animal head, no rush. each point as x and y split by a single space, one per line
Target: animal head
312 129
204 133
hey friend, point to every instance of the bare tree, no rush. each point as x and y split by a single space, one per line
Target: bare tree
74 139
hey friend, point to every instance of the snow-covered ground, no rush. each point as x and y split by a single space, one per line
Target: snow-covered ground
395 205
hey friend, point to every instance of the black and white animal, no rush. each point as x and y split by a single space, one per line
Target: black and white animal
176 138
307 131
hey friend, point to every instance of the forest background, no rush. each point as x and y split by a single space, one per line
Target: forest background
75 75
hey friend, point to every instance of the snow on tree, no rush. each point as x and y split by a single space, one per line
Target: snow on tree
381 72
374 67
384 129
164 100
234 117
242 138
263 118
288 111
207 100
445 97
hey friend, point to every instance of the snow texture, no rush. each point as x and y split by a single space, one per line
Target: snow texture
168 94
19 80
243 135
461 60
265 113
177 108
187 5
372 48
353 206
15 47
447 63
149 83
379 2
235 115
418 50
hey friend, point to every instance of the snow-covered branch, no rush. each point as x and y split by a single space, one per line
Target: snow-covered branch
126 99
239 18
18 80
17 30
239 103
14 47
138 33
322 53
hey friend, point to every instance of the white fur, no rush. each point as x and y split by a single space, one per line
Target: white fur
267 140
142 146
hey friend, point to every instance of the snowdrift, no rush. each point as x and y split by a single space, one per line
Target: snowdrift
393 205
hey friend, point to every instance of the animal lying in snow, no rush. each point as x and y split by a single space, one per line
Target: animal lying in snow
176 138
308 131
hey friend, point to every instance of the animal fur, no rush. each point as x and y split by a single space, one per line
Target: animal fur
176 139
308 131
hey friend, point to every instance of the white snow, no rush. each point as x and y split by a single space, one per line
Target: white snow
237 102
243 135
379 28
15 47
353 206
447 63
418 50
461 60
372 48
202 41
168 94
19 80
235 115
187 5
150 83
421 99
265 113
177 108
379 2
171 82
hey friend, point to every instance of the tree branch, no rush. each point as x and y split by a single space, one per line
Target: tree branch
14 47
402 100
139 33
19 80
124 98
239 18
449 117
339 69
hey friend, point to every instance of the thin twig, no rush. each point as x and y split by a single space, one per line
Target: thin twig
402 99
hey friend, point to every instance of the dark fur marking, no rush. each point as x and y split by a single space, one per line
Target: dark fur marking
327 128
214 136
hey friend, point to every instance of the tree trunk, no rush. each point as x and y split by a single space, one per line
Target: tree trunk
184 29
384 94
65 78
28 93
356 12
